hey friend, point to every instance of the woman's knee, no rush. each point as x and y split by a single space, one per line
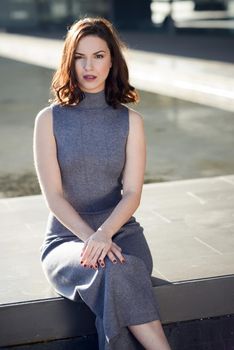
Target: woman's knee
132 266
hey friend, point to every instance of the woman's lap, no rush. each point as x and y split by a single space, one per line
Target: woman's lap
62 263
68 250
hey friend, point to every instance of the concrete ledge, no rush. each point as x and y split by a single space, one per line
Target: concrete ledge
212 333
44 320
59 318
196 299
188 225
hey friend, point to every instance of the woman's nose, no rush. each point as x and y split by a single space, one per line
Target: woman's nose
88 64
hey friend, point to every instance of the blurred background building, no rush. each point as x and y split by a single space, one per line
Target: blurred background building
144 14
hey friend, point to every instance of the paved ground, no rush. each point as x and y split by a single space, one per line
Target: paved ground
188 225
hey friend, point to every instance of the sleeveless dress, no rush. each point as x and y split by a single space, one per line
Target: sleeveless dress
91 149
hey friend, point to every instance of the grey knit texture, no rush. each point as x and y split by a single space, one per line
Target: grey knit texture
91 149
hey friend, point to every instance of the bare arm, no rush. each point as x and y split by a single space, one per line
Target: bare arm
133 176
49 176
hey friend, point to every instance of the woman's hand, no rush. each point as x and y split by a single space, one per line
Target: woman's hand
115 249
96 247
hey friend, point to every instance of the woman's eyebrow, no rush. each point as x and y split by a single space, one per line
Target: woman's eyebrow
93 53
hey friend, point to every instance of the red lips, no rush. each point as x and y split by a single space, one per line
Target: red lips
89 76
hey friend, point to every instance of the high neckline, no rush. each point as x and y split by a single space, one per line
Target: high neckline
93 100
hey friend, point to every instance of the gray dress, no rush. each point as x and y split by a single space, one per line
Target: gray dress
91 143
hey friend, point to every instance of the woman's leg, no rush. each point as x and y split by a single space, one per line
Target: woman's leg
151 335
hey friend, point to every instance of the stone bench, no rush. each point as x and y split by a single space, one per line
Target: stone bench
187 308
192 276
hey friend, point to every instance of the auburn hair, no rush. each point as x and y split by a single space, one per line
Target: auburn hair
64 85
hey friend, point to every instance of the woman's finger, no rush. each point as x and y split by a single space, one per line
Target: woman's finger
83 248
118 254
112 257
102 257
112 254
94 259
86 255
116 246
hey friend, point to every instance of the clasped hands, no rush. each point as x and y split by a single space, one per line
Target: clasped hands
97 247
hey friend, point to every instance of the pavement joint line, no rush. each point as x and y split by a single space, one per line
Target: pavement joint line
28 226
227 180
157 272
209 246
199 199
164 218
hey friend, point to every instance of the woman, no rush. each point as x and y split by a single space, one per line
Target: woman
89 154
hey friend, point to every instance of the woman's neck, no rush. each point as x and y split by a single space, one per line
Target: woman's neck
93 100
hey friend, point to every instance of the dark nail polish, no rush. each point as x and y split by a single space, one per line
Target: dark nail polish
114 261
81 262
85 265
96 266
102 264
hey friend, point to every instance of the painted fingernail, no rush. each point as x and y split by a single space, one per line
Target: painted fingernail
102 264
84 265
114 261
122 261
96 266
81 262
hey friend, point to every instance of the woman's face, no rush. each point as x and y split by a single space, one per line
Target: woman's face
92 63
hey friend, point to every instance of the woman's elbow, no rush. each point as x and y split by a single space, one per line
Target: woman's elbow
134 196
53 202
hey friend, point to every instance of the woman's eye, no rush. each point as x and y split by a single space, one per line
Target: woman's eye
98 56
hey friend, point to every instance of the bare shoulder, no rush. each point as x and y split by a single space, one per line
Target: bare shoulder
44 116
136 120
134 115
43 124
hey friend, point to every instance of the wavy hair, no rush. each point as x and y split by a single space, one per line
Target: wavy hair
64 85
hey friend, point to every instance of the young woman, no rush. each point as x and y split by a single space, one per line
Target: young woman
89 154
